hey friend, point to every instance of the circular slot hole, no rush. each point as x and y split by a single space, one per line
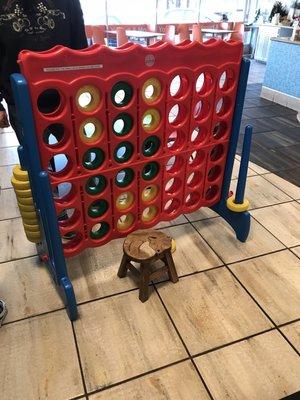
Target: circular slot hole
194 179
175 140
150 146
175 86
198 110
211 192
222 106
174 164
88 98
174 114
192 199
197 135
125 222
171 206
121 94
124 177
49 101
99 230
63 191
54 135
149 213
123 152
200 82
68 216
90 130
150 120
124 201
151 90
59 164
173 185
98 208
95 185
196 158
217 152
214 173
219 130
150 171
149 193
226 80
122 124
93 158
71 239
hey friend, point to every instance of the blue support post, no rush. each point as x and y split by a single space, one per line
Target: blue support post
42 195
242 178
239 221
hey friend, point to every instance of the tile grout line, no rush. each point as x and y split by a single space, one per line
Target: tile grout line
252 297
263 176
183 343
222 346
79 359
136 377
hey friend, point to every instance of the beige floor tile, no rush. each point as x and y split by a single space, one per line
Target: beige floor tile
94 272
211 309
202 213
296 250
179 382
5 176
8 139
8 204
13 242
192 253
236 168
257 168
264 367
9 156
274 281
261 193
38 359
222 239
180 220
120 337
286 186
292 332
27 288
283 220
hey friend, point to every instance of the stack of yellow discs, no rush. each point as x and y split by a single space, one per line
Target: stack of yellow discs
21 185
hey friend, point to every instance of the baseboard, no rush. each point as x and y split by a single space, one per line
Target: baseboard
281 98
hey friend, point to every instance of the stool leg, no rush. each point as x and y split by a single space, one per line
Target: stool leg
171 267
122 272
144 282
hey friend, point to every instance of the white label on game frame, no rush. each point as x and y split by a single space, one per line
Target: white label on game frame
149 60
72 68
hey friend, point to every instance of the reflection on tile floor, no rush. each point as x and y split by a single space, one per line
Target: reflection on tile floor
226 331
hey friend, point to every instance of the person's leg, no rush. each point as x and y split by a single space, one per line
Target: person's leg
13 119
3 311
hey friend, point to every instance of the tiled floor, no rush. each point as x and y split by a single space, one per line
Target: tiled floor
229 329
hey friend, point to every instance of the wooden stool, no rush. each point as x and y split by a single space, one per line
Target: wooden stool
145 247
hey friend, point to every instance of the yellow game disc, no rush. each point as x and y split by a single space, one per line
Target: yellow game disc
34 237
31 228
26 208
26 201
151 90
20 174
125 222
149 214
29 215
23 193
237 207
20 185
173 248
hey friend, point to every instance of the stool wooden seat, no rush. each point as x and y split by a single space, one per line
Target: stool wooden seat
146 247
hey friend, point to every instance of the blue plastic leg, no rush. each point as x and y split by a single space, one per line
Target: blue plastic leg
239 221
67 293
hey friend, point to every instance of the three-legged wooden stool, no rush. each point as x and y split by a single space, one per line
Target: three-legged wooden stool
146 247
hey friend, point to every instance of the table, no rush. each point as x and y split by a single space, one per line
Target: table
139 34
217 32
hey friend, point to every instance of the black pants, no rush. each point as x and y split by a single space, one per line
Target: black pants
14 122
